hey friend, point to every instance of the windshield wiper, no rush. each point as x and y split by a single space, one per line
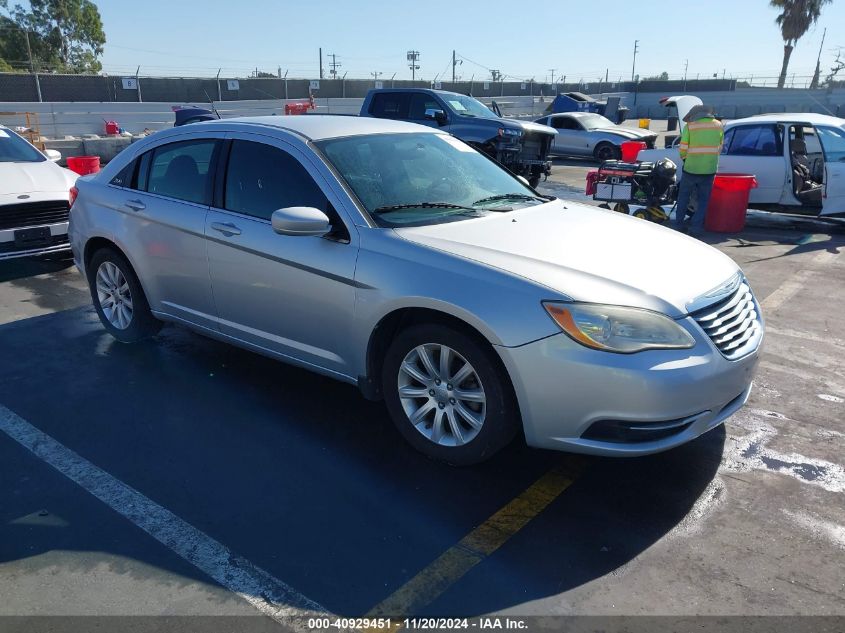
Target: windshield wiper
423 205
508 196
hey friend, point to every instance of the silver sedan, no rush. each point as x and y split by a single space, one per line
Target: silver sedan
397 258
588 134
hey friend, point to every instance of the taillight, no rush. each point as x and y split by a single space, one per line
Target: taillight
72 197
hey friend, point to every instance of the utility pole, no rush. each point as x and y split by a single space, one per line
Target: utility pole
455 62
686 67
815 82
334 64
552 70
32 67
413 57
634 65
321 62
376 75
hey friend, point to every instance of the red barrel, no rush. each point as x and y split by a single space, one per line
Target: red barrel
729 202
592 179
84 164
630 149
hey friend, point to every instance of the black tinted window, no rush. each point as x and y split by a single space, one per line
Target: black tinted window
390 105
261 178
420 102
564 123
756 140
181 170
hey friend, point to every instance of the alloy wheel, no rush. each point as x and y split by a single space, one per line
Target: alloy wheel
114 295
442 395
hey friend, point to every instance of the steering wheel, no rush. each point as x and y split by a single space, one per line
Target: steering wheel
442 190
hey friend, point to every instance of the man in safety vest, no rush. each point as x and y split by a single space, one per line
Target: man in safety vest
701 144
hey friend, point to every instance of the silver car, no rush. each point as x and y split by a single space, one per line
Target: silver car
588 134
395 257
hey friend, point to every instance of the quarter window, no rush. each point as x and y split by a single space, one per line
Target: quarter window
261 179
181 170
125 176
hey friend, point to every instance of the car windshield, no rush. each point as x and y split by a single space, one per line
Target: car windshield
14 149
468 106
595 121
422 178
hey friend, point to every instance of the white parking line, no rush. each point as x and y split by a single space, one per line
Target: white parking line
269 595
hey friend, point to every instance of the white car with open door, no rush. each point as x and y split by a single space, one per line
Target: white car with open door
798 159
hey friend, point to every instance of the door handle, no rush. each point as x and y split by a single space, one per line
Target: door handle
226 228
136 205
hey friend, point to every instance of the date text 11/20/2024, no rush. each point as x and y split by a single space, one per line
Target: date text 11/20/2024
427 624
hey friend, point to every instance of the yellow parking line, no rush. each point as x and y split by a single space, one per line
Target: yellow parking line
452 565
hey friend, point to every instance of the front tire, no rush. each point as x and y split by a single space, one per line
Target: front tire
119 299
448 395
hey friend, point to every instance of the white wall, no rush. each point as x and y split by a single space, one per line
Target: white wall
57 120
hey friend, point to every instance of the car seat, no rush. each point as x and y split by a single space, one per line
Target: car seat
806 190
183 180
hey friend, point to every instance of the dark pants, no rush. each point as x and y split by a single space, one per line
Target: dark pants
702 184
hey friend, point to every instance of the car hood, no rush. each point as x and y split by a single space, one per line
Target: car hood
587 254
629 133
44 176
530 126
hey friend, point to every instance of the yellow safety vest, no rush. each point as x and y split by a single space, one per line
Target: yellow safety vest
701 144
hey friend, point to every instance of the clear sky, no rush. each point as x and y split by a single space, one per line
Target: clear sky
579 39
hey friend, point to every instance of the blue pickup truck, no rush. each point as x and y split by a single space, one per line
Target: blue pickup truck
521 146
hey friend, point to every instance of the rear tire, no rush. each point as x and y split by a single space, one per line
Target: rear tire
606 151
463 406
119 299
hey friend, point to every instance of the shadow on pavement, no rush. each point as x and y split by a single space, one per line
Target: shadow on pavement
300 475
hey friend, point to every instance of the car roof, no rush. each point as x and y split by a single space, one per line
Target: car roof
317 127
810 118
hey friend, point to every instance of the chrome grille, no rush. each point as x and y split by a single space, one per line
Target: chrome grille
733 323
25 214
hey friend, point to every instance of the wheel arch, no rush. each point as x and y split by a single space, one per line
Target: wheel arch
401 318
100 242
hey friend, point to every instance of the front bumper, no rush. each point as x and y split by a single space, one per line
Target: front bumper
57 243
567 391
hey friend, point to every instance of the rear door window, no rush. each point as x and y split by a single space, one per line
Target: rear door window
182 170
390 105
756 140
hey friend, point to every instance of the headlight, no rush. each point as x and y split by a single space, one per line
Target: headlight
508 132
618 329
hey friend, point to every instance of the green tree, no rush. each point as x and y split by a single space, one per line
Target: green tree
795 19
64 35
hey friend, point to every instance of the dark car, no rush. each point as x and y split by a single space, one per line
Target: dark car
521 146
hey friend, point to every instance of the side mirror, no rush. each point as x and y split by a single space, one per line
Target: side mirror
436 115
53 155
301 221
523 180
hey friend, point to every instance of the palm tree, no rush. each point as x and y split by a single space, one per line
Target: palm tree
795 19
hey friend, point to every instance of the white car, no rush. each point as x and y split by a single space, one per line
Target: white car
34 199
798 159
